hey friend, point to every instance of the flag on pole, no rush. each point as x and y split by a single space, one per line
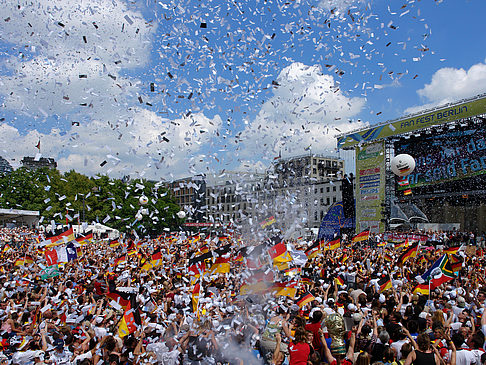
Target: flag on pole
131 320
313 250
422 289
305 298
385 283
408 253
363 236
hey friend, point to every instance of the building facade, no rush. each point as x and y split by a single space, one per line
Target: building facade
33 164
5 167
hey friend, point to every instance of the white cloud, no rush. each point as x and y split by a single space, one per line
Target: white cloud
140 144
340 6
452 84
306 112
71 53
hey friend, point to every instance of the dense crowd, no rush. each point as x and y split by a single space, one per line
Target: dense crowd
183 299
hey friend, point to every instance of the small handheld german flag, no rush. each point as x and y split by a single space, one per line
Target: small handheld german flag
340 280
385 283
305 298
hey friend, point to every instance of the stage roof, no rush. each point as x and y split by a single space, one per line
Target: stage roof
428 118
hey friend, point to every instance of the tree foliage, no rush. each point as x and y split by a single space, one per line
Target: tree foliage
79 198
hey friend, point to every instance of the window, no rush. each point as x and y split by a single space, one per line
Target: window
334 188
315 215
314 171
328 201
322 190
322 214
328 189
322 201
334 199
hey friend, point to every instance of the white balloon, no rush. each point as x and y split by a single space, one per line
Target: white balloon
138 217
143 200
145 211
402 165
181 214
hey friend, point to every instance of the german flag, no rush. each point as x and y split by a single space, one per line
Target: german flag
363 236
84 240
400 245
280 256
120 260
452 250
114 243
381 244
197 264
313 250
195 296
288 289
385 283
64 237
335 244
267 222
155 260
455 262
407 192
117 296
131 249
340 280
344 258
422 289
408 253
221 265
388 257
131 320
279 253
305 298
19 262
306 280
28 260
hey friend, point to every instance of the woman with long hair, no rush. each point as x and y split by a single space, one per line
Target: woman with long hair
299 349
424 353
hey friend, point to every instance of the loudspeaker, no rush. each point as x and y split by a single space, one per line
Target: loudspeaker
348 196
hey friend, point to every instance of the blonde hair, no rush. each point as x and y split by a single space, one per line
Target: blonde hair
438 316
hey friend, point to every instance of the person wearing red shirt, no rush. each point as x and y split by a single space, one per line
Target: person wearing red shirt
299 349
314 327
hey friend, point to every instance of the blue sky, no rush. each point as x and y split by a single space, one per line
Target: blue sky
168 89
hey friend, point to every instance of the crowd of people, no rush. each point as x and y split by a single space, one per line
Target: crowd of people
180 299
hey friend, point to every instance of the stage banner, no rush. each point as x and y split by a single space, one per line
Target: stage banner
370 187
438 116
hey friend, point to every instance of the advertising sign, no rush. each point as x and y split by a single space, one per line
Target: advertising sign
370 186
453 155
414 123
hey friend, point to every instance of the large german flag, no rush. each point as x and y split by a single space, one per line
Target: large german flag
408 253
131 320
363 236
221 265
